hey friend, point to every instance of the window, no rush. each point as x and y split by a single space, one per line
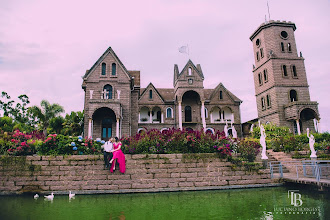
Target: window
169 113
284 34
285 72
258 42
261 52
268 101
289 47
258 58
150 94
104 68
265 75
294 71
260 79
206 112
113 72
220 95
282 47
189 71
108 92
293 95
187 114
263 103
190 81
106 128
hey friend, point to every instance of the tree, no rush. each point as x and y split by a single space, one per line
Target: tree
73 123
6 106
45 113
56 124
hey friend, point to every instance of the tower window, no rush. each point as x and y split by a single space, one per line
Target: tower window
104 68
150 94
285 72
189 71
284 34
294 71
263 103
258 58
293 95
268 101
258 42
261 52
289 47
260 79
265 75
282 47
220 95
113 72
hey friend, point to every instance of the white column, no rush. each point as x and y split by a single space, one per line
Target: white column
91 94
203 116
211 118
139 117
117 128
180 115
89 128
150 116
298 126
319 130
162 118
223 116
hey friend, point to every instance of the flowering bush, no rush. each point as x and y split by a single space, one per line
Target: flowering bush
224 151
21 144
248 149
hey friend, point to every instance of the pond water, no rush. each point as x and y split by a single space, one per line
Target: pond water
257 203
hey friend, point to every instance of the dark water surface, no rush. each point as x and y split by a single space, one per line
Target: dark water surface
258 203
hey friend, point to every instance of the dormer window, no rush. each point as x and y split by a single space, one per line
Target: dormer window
189 71
104 69
220 95
114 69
150 94
107 92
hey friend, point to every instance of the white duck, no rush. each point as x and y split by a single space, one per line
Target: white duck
36 196
71 195
50 197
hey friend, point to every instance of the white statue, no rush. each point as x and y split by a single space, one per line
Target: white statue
104 94
311 144
118 93
225 129
251 128
234 132
91 94
263 142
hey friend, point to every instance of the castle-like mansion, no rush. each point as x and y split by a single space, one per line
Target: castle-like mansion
116 105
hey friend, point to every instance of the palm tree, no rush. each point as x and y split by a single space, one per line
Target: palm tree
46 113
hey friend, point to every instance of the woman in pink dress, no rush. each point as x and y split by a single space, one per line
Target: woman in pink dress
119 156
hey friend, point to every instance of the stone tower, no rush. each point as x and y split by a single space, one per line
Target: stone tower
280 80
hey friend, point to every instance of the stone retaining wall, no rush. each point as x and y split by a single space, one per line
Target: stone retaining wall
85 173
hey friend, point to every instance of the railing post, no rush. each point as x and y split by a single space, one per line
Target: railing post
297 171
271 170
281 170
318 173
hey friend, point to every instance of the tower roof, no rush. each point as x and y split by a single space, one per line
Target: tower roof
272 23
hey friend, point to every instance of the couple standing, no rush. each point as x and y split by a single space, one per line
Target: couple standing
112 154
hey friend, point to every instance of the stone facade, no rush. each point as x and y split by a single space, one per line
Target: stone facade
145 173
280 79
115 105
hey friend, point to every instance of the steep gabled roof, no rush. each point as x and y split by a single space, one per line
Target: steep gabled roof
230 94
109 50
198 70
152 86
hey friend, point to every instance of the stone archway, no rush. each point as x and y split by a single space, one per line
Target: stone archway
104 123
307 120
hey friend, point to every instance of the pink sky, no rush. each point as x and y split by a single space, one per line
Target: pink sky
46 46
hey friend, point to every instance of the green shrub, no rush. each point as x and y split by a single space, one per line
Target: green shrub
248 149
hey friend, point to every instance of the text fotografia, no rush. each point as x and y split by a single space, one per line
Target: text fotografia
297 210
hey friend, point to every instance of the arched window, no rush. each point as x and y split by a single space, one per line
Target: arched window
260 78
294 71
268 101
189 71
265 75
187 114
113 72
108 94
220 95
150 94
206 112
285 72
263 103
169 113
293 95
104 68
289 47
282 47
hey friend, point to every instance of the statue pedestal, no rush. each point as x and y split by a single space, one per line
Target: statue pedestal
265 163
313 158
